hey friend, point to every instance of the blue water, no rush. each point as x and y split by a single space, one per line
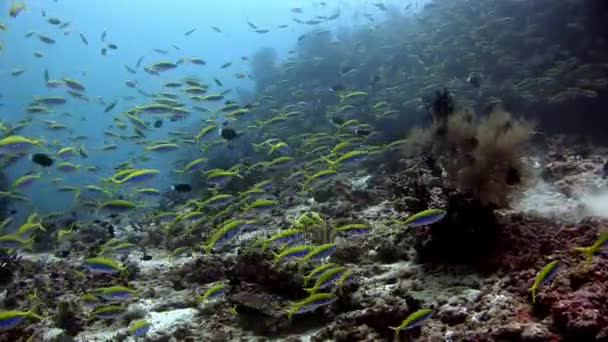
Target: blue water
137 27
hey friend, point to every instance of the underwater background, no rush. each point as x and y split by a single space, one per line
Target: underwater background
418 170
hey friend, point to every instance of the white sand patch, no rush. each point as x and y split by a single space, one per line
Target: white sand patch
157 263
544 200
165 323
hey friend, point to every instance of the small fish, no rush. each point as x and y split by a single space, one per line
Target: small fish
67 167
220 84
337 88
138 176
118 206
138 64
180 251
17 72
181 187
158 123
90 300
228 133
139 328
214 292
599 247
413 320
228 230
474 79
82 152
108 312
543 277
130 70
103 35
292 252
327 279
311 303
346 69
216 29
42 159
190 32
16 8
114 293
11 319
149 192
423 218
123 248
112 46
194 165
15 242
46 39
317 271
285 237
102 265
104 51
319 252
353 229
110 107
225 65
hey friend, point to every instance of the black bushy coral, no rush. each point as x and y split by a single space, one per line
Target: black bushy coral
485 156
482 157
440 107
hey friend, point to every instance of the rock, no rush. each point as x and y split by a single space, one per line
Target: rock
580 314
535 332
509 332
168 322
452 315
54 335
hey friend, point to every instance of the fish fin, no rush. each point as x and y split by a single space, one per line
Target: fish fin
311 290
588 254
533 291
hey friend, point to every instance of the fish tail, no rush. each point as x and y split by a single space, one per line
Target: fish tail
331 163
311 290
208 248
30 244
587 253
396 329
31 313
533 291
124 272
